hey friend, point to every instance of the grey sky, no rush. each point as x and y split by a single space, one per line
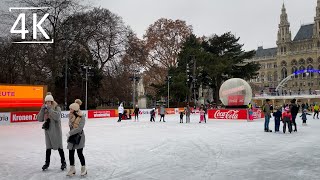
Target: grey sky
255 21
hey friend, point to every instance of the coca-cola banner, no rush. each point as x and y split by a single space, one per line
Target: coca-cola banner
231 114
257 113
94 114
17 117
235 100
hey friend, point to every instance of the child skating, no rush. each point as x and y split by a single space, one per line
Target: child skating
277 118
201 115
181 117
152 115
304 117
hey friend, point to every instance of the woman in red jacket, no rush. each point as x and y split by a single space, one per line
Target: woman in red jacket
287 119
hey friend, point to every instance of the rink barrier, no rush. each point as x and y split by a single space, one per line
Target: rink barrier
213 114
234 114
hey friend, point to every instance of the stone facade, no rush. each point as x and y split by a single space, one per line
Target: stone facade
300 53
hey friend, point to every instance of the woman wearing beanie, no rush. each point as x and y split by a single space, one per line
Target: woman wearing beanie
50 114
76 124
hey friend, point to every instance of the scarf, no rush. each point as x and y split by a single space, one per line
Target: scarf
74 120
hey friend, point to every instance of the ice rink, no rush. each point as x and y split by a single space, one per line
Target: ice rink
168 151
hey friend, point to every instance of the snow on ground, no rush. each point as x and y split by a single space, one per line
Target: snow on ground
168 151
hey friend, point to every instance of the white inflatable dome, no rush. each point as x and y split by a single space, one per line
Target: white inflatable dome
235 92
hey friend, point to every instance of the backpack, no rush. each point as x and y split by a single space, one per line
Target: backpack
263 108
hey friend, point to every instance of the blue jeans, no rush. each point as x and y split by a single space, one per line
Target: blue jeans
266 122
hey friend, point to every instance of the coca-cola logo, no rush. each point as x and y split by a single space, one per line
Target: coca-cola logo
228 114
257 114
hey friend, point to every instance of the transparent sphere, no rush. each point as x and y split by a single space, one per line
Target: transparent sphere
235 92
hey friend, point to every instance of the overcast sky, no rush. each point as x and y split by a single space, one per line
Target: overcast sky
254 21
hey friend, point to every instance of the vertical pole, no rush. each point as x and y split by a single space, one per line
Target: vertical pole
168 92
86 88
66 85
194 80
134 89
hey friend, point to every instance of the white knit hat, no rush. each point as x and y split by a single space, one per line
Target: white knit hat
74 106
48 97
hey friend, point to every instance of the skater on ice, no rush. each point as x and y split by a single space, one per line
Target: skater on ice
152 115
267 111
181 117
294 109
277 119
304 117
162 113
287 120
76 138
136 113
120 111
316 111
201 115
50 114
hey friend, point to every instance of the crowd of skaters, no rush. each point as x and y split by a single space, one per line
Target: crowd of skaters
288 114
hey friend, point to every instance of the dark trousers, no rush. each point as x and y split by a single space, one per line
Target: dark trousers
205 119
80 155
294 122
304 121
152 119
276 124
120 117
316 113
285 123
181 119
162 116
48 155
136 116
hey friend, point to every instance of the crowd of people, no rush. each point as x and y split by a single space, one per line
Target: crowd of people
288 114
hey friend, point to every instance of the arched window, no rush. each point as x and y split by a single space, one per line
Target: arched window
302 74
302 61
262 77
283 63
294 69
284 73
311 74
309 61
294 62
270 77
275 76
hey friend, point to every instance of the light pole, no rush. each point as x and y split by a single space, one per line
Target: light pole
87 68
169 77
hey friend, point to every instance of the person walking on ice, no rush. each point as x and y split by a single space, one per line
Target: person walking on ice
120 112
76 138
287 120
316 111
152 115
162 112
50 114
181 117
201 115
136 113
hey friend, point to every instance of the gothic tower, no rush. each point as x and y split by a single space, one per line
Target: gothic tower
284 33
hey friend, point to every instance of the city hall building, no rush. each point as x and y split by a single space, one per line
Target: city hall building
291 54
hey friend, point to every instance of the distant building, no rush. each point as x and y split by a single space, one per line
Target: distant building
300 53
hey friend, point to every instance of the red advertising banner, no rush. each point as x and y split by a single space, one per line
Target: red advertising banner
94 114
235 100
257 113
170 111
228 114
17 117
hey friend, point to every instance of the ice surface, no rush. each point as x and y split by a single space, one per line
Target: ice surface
142 150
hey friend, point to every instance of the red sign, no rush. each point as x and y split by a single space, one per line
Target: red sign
94 114
235 100
232 114
17 117
257 114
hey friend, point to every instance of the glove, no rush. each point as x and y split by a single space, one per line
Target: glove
68 135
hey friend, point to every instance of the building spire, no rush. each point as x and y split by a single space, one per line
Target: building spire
284 33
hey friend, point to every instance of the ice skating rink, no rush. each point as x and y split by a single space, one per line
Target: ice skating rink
168 151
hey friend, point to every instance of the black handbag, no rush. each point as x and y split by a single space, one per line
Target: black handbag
46 124
75 139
